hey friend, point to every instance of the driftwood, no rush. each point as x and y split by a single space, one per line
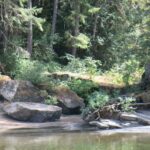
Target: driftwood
107 112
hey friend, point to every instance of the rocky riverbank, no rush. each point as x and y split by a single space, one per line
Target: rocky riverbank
65 124
23 107
72 123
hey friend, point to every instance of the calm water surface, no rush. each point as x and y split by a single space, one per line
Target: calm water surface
74 141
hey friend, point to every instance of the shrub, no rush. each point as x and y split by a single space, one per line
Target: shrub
97 99
81 87
129 72
9 59
86 66
51 100
126 103
53 66
31 70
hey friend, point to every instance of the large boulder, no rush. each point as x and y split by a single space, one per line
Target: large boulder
4 78
32 112
17 90
68 100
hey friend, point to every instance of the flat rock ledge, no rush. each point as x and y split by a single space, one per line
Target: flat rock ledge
142 117
128 124
32 112
139 118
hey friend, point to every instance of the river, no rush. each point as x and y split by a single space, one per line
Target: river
45 140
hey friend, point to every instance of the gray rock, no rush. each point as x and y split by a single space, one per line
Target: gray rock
111 123
128 117
143 121
32 112
105 124
99 124
143 117
140 117
23 91
68 100
8 89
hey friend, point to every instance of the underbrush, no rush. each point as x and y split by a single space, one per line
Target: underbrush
88 65
97 99
30 70
33 70
127 73
82 87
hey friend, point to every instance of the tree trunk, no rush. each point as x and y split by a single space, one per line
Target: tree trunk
4 28
76 26
54 20
30 31
54 17
95 21
95 26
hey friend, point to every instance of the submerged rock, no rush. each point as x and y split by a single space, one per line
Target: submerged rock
33 112
68 100
17 90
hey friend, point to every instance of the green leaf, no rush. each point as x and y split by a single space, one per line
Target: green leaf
82 41
94 10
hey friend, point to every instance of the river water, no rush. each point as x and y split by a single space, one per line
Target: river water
46 140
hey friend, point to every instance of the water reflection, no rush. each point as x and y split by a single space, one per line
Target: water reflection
74 141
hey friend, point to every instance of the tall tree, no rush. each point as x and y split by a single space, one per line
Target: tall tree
30 30
76 23
96 16
54 20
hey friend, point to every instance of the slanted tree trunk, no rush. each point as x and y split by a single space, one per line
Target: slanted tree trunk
54 20
30 31
76 25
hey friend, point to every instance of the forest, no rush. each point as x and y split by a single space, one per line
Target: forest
96 48
112 34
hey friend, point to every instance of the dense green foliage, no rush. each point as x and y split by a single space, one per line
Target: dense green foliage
110 31
98 99
102 37
82 87
126 103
